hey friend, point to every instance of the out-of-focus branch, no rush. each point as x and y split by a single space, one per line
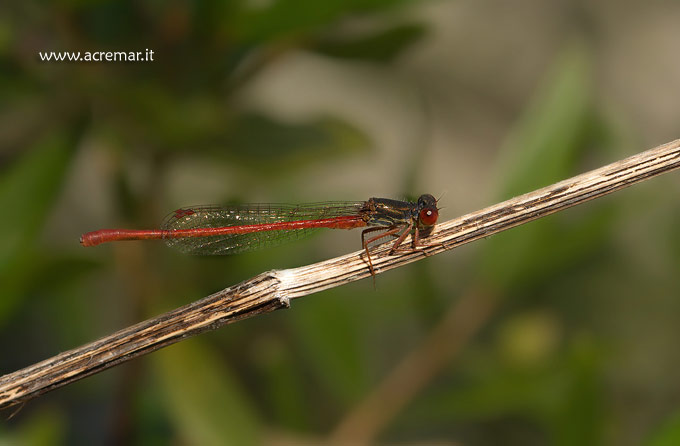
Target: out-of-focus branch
274 290
460 323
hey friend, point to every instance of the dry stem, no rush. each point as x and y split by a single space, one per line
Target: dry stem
273 290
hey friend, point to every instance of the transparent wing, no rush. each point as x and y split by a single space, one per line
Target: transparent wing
245 215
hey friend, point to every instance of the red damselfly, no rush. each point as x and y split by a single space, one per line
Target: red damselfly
211 230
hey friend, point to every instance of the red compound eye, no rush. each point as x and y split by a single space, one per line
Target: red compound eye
428 216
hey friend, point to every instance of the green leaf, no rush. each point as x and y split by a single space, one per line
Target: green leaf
283 383
544 148
544 145
289 18
44 427
252 138
256 141
328 336
559 396
162 117
668 434
204 399
27 191
381 46
578 417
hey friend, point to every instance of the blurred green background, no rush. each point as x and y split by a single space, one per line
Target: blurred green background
295 101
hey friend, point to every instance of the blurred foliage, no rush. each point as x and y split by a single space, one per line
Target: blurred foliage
290 147
667 434
546 144
543 371
383 45
38 175
204 400
525 375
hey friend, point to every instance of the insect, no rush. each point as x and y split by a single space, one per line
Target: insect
216 230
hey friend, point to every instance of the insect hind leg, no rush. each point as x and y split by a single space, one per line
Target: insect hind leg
390 231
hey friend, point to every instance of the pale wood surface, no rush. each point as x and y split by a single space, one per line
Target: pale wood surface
274 290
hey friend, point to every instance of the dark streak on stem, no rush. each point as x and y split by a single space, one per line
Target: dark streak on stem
239 302
272 290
